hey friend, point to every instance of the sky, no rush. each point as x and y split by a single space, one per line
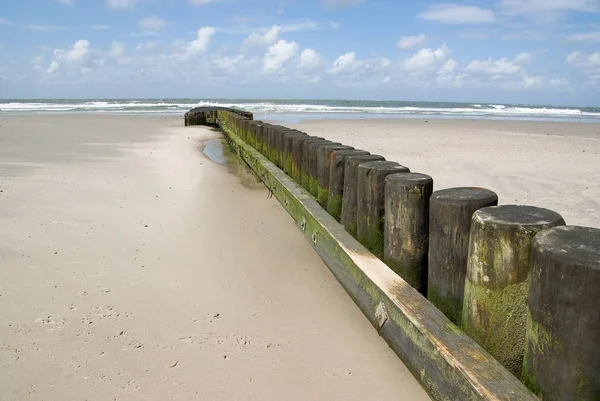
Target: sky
509 51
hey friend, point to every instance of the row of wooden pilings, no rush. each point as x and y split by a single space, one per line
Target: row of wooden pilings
515 278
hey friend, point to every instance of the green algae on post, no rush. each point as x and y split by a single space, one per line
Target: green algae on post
497 280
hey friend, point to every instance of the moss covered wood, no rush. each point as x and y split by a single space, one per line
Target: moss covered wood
336 180
324 156
450 212
562 349
370 210
350 196
406 235
497 280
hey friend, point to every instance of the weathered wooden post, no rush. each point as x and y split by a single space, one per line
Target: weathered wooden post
281 149
562 349
288 150
258 136
243 130
297 154
279 130
450 212
272 143
267 140
314 166
323 169
350 196
252 127
406 234
336 180
371 202
306 151
497 280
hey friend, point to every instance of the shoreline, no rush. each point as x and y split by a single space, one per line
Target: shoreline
299 117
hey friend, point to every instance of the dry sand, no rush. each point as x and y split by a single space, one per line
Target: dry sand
548 164
132 267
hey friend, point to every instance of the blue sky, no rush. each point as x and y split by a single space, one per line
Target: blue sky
520 51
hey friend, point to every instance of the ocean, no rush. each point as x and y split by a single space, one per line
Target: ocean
299 109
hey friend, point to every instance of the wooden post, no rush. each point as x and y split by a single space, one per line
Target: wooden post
324 156
252 128
258 136
306 150
281 145
406 234
297 153
314 166
450 212
336 180
562 349
243 132
371 202
276 142
288 159
350 196
268 141
497 280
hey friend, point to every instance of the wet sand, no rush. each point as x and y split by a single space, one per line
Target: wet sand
555 165
132 267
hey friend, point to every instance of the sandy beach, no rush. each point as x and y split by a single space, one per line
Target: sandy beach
555 165
132 267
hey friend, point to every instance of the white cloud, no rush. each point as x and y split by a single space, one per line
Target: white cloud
228 63
523 58
78 54
199 45
427 59
309 59
542 6
448 13
301 26
558 82
46 27
584 61
340 3
152 24
120 4
202 2
278 54
499 67
408 42
117 49
345 63
448 68
587 36
265 38
147 46
100 27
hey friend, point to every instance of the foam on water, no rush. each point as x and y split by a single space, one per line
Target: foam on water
324 107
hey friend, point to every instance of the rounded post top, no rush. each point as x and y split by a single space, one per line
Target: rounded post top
349 152
383 165
463 195
573 244
334 146
518 215
408 179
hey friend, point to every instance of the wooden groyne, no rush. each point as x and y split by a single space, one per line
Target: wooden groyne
522 284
